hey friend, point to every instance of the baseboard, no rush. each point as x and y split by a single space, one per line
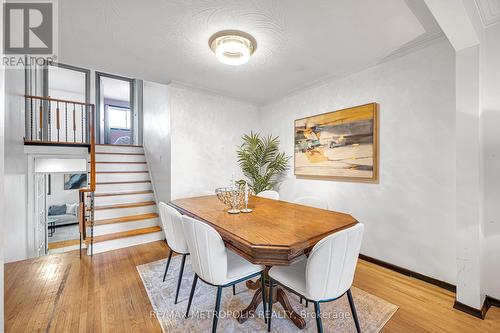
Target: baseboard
478 313
490 301
407 272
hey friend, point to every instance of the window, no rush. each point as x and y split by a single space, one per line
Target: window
119 118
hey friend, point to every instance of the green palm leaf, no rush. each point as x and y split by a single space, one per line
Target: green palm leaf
261 161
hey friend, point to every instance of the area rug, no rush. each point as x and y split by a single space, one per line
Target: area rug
373 312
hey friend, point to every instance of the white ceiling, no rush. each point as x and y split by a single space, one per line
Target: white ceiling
299 42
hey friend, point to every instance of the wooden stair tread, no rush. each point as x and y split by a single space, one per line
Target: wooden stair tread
124 182
108 172
61 244
124 234
120 162
110 145
110 153
123 219
111 194
124 205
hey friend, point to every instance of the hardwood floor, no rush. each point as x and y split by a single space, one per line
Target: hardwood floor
61 293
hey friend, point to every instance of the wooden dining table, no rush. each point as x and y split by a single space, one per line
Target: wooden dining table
274 233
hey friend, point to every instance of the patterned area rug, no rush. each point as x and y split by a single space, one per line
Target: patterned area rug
373 312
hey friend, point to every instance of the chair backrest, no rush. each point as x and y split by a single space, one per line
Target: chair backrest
269 194
312 201
207 250
171 220
332 262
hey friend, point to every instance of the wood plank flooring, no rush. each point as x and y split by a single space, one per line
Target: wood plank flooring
61 293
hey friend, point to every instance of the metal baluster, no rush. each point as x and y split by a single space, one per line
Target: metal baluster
92 223
58 120
41 120
31 118
81 111
74 123
87 124
50 122
66 119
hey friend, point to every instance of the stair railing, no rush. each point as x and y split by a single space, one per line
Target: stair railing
57 121
86 195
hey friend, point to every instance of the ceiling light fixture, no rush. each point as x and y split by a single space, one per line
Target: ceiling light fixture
232 47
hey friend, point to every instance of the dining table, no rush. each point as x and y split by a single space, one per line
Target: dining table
275 233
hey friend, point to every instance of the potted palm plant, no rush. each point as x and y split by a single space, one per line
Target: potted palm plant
262 162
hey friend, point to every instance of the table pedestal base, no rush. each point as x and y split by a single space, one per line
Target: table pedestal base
279 296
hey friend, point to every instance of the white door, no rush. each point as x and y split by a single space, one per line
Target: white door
40 215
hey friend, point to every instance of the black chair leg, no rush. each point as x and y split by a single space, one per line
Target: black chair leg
301 300
353 310
168 264
217 308
234 289
307 303
193 287
319 323
263 288
270 306
180 277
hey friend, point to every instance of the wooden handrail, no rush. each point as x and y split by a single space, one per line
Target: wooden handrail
43 98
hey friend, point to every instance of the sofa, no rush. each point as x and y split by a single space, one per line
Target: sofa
64 214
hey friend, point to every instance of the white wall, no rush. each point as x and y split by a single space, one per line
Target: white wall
206 130
2 204
410 214
15 232
490 123
468 178
156 136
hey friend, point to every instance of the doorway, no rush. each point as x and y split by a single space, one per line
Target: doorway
115 109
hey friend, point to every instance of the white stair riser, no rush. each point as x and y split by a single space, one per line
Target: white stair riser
125 226
125 242
121 177
120 199
119 158
118 149
121 212
107 188
121 167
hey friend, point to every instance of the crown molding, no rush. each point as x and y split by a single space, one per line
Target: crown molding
415 45
489 11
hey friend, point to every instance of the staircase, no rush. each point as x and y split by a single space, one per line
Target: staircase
125 212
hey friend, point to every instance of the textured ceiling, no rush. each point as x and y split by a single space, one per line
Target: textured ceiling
299 42
490 11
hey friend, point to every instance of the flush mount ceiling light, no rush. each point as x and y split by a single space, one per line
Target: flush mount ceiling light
232 47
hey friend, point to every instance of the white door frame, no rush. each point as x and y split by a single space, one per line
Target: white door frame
38 152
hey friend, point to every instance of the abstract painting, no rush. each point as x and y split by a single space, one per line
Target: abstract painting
341 144
75 181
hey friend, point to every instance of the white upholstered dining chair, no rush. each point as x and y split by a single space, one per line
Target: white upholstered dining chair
171 220
312 201
214 264
325 276
269 194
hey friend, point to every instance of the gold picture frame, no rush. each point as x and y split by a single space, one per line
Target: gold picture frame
338 145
